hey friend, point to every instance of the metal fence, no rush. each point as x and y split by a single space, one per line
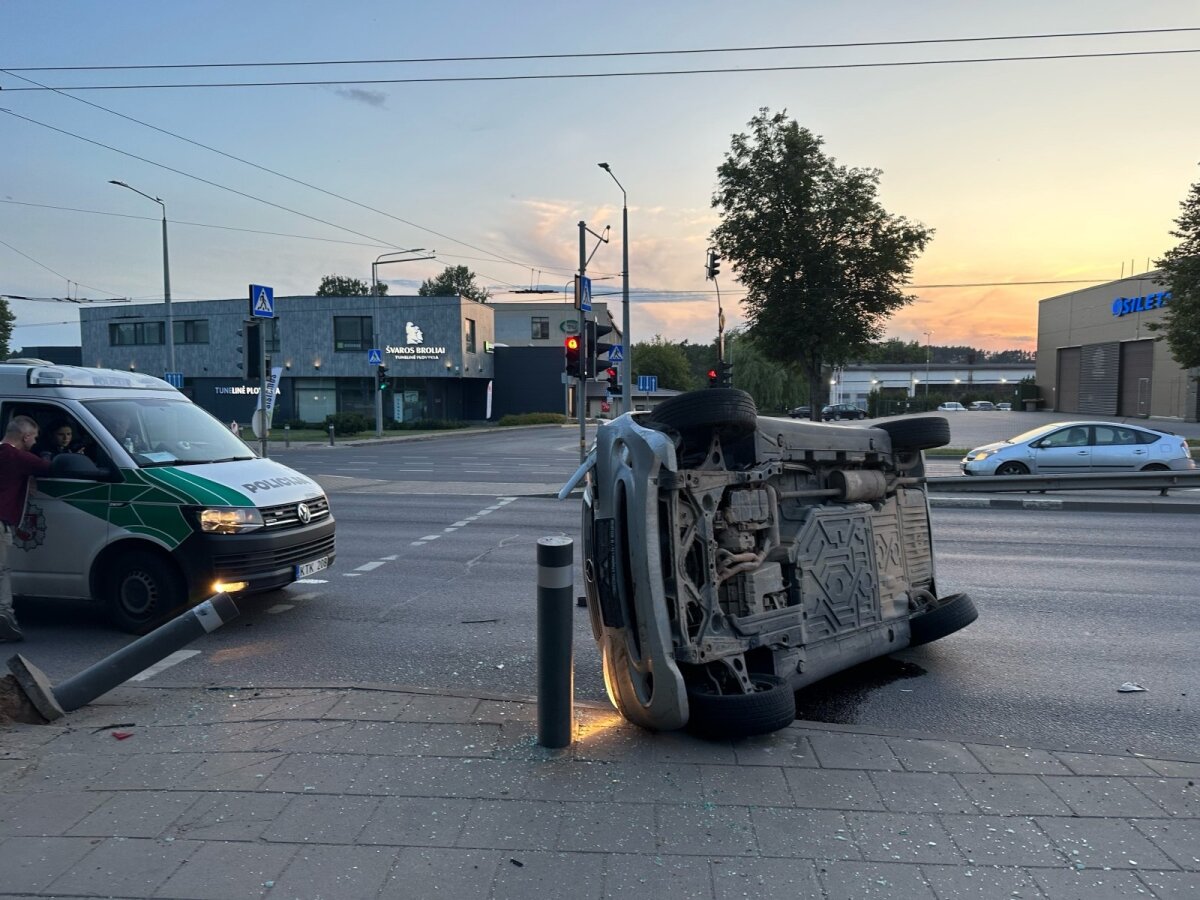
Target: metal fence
990 484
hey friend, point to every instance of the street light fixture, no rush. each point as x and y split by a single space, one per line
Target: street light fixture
380 261
166 275
626 366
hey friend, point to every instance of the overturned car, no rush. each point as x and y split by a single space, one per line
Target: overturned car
731 559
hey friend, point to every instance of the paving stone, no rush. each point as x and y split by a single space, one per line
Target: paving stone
1017 760
519 740
279 704
831 789
682 747
335 872
376 706
902 837
752 785
512 824
145 772
1002 841
432 708
569 779
786 747
705 830
440 872
607 827
1178 838
654 784
46 813
500 712
124 867
233 771
765 879
918 755
322 773
658 877
928 792
1178 796
230 816
1174 768
321 820
31 863
223 869
874 881
546 874
1013 795
853 751
1068 884
301 736
803 833
1173 885
1099 796
136 815
619 742
1112 843
416 822
49 772
1101 764
980 883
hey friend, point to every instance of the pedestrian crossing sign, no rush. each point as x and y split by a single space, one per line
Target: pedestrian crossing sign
262 301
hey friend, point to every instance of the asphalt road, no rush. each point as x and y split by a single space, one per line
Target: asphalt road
434 586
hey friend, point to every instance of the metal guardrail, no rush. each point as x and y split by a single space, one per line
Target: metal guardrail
989 484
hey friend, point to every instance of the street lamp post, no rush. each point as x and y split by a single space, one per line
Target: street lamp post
928 352
380 261
626 366
166 275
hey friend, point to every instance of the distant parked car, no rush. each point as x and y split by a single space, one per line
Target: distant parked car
1081 447
951 406
839 411
800 412
983 406
1004 407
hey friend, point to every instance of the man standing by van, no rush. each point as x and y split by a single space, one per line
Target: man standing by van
17 464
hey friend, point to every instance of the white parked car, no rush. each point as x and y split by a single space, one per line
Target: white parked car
983 406
1081 447
952 406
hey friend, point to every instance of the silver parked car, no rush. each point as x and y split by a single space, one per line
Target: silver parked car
730 560
1081 447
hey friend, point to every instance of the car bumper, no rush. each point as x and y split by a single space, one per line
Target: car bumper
262 560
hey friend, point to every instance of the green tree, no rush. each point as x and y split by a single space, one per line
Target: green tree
344 286
821 260
774 387
666 360
455 281
1181 272
6 327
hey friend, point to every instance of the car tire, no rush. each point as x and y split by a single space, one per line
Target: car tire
772 706
923 433
143 590
728 409
1012 467
952 614
1156 467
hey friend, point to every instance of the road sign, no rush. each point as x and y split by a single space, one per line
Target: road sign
174 379
616 353
647 384
583 293
374 357
262 301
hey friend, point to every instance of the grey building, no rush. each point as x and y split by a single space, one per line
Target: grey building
1096 354
437 350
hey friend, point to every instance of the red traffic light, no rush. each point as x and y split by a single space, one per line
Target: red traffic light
610 372
572 343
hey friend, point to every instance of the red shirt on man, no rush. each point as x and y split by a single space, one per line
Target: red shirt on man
16 466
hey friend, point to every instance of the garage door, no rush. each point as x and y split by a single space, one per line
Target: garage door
1137 367
1099 377
1067 398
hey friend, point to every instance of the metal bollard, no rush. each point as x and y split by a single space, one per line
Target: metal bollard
118 668
555 635
287 436
330 435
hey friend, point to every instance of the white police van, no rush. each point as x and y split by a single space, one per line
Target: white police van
155 505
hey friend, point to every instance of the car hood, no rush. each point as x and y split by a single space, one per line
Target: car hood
246 482
992 447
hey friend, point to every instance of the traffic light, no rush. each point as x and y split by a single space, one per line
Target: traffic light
381 377
571 356
712 265
712 378
596 346
614 381
725 374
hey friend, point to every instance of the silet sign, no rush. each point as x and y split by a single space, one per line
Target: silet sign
1123 306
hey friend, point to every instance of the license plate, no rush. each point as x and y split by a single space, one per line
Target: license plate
305 569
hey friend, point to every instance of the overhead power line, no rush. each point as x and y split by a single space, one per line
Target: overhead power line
557 76
601 55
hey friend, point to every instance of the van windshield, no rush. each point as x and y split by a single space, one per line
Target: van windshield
168 432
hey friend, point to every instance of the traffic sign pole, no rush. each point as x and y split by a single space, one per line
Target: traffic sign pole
262 306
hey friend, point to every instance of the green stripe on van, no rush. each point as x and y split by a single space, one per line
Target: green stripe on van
201 491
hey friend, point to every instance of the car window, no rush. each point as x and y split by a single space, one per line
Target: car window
1111 435
1075 436
1147 437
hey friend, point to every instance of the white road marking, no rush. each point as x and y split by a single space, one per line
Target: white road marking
351 574
279 607
300 597
418 543
431 537
451 528
165 663
367 567
461 524
311 581
391 558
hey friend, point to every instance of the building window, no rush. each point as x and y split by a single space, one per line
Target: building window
125 334
540 328
352 333
191 331
469 334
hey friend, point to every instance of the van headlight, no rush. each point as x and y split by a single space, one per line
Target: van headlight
230 520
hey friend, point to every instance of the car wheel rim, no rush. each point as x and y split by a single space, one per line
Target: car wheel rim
138 594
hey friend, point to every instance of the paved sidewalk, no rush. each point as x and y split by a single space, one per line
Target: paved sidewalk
362 792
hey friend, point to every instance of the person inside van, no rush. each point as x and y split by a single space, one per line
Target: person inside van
60 438
121 422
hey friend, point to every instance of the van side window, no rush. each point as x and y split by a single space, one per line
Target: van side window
58 431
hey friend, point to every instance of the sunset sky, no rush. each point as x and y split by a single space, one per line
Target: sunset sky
1055 170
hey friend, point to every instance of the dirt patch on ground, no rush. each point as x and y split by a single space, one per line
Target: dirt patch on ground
15 706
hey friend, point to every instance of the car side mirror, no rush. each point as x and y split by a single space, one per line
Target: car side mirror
1036 445
76 465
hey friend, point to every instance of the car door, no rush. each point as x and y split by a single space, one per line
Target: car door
1067 451
1116 449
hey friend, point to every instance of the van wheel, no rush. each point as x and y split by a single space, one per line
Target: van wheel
772 706
143 590
950 615
730 410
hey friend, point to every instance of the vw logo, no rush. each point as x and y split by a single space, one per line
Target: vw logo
303 513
